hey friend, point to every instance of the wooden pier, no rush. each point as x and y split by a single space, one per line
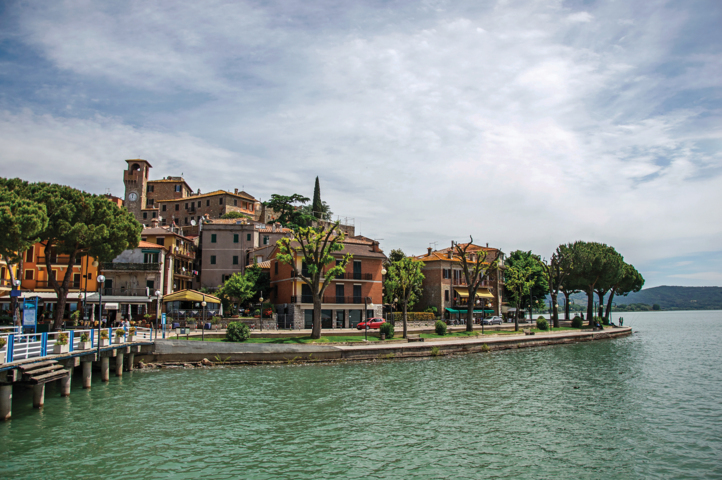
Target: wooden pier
32 360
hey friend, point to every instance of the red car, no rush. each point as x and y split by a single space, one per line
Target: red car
373 323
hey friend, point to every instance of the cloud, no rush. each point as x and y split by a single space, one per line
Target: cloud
526 124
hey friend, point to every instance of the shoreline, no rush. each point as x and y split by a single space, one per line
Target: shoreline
188 352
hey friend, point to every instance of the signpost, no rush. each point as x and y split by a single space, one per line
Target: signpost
162 321
30 313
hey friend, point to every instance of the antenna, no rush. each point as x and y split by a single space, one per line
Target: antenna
435 245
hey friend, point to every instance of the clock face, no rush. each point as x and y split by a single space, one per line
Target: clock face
133 196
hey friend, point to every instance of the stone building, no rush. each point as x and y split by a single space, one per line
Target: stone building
445 288
344 301
179 264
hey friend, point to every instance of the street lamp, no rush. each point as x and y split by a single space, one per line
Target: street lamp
101 281
203 330
261 322
157 313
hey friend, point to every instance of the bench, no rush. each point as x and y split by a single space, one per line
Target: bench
414 338
527 331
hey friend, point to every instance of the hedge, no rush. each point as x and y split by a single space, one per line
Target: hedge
414 317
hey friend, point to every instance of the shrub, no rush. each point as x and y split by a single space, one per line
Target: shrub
485 348
256 312
62 338
577 322
84 337
435 351
238 332
431 310
215 320
104 334
605 321
131 331
542 324
3 342
414 316
387 329
440 327
119 332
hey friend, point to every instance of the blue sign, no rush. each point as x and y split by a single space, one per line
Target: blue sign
16 293
162 318
30 313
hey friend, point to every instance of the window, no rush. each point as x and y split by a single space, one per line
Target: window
213 259
213 238
235 259
248 237
90 276
251 205
177 207
154 214
150 201
163 208
220 201
275 267
29 274
150 258
265 239
145 215
235 202
150 284
160 241
186 205
186 220
199 203
150 188
177 188
30 254
208 203
446 295
235 238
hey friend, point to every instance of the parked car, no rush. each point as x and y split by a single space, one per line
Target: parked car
492 321
372 322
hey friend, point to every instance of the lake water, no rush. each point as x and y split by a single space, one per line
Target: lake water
647 406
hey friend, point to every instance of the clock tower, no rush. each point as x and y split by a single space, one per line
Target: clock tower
135 179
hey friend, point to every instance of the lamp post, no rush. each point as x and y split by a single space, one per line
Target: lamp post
157 313
16 314
366 321
101 281
203 330
261 322
556 307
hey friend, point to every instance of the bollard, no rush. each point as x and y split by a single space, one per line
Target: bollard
38 396
87 374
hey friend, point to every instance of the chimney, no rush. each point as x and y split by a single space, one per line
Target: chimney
154 223
451 253
236 191
487 244
375 246
429 254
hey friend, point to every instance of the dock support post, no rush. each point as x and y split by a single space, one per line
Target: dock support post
131 359
6 402
38 396
105 369
87 374
119 363
65 383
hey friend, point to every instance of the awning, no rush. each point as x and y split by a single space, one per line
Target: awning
190 296
110 306
482 292
452 310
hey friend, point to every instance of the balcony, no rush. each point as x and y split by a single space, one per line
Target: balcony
142 267
345 276
332 299
46 284
127 292
58 260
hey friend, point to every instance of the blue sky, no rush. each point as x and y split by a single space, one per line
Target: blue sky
523 123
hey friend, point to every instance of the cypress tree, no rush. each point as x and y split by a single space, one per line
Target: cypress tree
317 205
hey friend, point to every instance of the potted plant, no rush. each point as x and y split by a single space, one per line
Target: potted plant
74 318
119 334
131 334
256 313
148 319
104 340
84 341
61 343
3 342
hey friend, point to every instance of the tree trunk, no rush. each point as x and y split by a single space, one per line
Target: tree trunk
566 306
609 305
470 314
316 331
600 296
516 316
590 306
555 310
406 302
61 290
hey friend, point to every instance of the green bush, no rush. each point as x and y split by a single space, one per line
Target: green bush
431 310
440 327
237 332
84 337
605 321
577 322
388 329
413 316
540 317
542 323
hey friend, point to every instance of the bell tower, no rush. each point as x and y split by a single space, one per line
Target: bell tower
135 179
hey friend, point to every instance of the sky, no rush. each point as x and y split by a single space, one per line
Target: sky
524 124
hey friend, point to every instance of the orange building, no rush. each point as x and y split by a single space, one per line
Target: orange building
345 298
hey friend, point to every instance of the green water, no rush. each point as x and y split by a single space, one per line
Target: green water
647 406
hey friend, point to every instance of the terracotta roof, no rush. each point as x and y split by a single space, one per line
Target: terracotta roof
210 194
442 255
143 244
278 230
264 265
160 231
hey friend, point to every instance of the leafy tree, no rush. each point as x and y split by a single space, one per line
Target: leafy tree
78 224
22 220
289 211
403 281
532 262
314 247
519 280
234 215
237 289
556 271
260 280
317 206
396 255
476 269
630 281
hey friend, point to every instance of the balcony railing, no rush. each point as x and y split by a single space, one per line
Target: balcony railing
331 299
128 292
47 284
346 276
58 260
131 266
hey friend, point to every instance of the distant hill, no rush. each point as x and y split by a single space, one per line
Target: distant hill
670 298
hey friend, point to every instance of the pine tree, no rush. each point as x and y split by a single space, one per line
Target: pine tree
317 206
